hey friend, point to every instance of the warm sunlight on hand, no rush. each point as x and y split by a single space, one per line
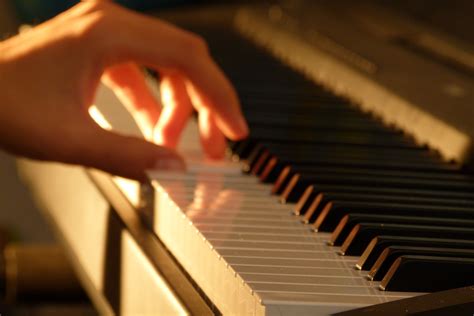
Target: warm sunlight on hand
49 76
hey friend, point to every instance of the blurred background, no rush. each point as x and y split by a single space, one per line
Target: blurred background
33 11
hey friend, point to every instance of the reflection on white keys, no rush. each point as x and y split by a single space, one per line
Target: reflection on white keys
245 250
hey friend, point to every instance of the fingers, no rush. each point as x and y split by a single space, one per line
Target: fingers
125 156
128 83
212 139
162 46
209 89
177 109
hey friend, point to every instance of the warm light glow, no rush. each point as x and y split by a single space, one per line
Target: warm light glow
167 99
144 291
130 188
166 94
99 118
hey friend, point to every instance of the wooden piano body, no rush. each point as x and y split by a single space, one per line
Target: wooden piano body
121 237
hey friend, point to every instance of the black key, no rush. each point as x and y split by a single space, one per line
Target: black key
348 222
438 174
451 302
289 151
274 167
379 243
428 274
390 254
298 121
299 183
313 191
259 164
334 211
363 233
331 136
243 149
303 161
253 157
323 199
353 164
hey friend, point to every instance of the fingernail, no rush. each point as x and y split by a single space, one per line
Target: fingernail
244 128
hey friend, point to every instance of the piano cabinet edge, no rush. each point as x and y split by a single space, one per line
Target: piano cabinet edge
119 276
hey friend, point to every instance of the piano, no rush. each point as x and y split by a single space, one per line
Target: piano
353 190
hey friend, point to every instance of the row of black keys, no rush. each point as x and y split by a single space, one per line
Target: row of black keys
408 215
387 224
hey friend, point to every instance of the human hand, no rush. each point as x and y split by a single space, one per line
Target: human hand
49 75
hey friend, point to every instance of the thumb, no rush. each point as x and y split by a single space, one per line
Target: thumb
125 156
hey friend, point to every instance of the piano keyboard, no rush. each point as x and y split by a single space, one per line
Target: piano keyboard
368 216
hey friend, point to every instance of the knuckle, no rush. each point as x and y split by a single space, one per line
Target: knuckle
94 18
196 44
94 5
92 26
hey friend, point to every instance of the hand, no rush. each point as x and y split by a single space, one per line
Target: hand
49 75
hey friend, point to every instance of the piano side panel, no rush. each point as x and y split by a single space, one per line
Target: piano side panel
111 266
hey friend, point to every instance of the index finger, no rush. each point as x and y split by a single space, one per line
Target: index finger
161 45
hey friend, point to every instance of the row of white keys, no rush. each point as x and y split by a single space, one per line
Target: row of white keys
255 235
247 252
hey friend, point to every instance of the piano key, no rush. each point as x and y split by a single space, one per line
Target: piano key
243 150
266 245
276 262
275 238
274 166
425 274
363 233
308 279
289 151
334 211
451 302
281 254
253 157
259 164
348 222
313 191
282 176
232 227
277 148
333 136
322 200
299 183
298 271
258 105
314 289
322 300
291 121
436 174
390 254
217 222
310 95
379 243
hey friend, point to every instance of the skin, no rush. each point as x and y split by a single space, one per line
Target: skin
49 76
